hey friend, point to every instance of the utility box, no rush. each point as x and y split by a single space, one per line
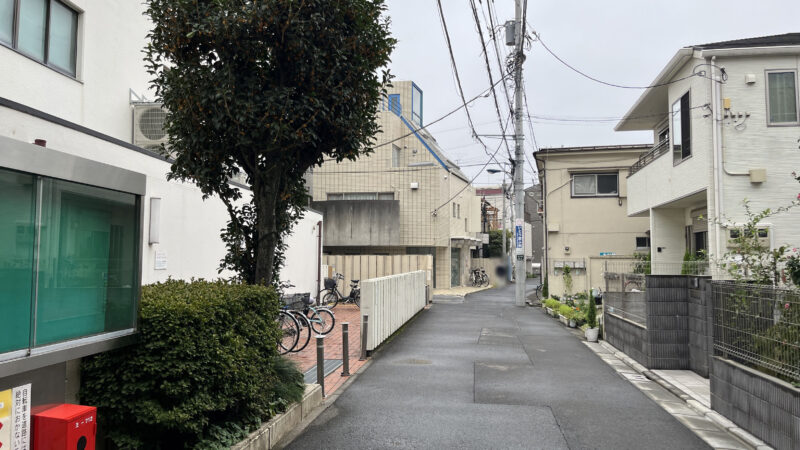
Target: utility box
65 427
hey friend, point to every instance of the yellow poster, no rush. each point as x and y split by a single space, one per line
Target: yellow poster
5 419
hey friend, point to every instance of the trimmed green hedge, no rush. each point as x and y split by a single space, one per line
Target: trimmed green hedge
204 373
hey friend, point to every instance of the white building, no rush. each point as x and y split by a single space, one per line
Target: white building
88 219
725 121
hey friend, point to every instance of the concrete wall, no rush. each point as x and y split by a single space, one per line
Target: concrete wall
360 222
303 255
667 232
629 337
765 406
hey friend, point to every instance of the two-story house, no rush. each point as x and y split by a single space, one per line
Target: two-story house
405 198
585 195
725 121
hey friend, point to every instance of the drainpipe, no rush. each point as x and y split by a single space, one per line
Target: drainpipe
319 258
716 139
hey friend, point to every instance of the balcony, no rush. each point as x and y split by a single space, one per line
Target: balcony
657 150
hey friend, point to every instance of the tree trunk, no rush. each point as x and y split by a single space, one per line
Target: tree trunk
266 202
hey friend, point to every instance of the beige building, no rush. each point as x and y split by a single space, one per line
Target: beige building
406 197
726 124
585 212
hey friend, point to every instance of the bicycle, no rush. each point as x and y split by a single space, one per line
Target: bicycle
478 277
320 319
331 296
290 332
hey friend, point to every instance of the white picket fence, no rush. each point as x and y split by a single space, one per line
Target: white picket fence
390 302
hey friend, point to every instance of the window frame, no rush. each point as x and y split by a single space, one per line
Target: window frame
45 61
596 194
45 163
686 128
797 98
416 118
647 239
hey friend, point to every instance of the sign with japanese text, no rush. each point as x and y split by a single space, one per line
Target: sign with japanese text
15 418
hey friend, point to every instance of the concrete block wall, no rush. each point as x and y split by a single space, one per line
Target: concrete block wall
627 336
765 406
667 322
701 345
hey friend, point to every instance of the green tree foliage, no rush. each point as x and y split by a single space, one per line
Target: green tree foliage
267 89
496 243
204 372
591 313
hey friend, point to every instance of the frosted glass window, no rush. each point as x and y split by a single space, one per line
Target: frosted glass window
62 43
782 97
16 258
7 21
416 105
395 156
584 185
32 27
88 262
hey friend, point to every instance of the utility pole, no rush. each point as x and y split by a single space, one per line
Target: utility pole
519 171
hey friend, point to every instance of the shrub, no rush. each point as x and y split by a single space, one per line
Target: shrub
566 311
591 313
204 372
545 289
552 304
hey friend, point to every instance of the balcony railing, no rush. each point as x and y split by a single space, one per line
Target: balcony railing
657 150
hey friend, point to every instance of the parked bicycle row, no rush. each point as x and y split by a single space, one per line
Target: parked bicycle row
301 314
479 277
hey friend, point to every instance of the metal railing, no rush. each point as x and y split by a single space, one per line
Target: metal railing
657 150
758 326
625 290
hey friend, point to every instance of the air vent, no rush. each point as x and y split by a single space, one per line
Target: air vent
148 126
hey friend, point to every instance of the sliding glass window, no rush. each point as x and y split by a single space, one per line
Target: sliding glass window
72 273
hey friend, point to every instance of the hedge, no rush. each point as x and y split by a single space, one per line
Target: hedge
204 372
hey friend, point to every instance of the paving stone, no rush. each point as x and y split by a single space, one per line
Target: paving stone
721 440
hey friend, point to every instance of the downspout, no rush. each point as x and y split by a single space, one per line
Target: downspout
319 258
716 139
543 179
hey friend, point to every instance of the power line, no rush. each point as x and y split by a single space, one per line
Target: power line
458 80
578 71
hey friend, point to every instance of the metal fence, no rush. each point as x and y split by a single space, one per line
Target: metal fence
657 150
758 326
625 290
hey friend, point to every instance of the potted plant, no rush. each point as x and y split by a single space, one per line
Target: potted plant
591 321
565 314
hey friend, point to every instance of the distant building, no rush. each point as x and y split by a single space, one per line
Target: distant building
406 198
585 215
726 124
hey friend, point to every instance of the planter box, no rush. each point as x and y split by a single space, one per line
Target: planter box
270 433
563 320
765 406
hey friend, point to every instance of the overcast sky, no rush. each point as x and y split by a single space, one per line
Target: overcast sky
620 41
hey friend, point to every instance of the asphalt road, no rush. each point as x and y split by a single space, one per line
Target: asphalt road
486 374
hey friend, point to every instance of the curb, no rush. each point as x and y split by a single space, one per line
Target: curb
698 407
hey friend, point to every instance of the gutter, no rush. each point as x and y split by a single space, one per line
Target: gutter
750 51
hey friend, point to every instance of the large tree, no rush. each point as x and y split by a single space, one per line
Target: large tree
268 89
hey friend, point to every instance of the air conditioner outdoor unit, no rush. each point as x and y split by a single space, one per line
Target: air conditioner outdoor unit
148 126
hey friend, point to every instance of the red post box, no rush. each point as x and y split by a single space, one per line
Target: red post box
65 427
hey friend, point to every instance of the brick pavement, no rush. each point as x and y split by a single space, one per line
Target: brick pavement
307 358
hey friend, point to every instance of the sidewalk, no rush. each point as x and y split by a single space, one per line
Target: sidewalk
307 358
487 374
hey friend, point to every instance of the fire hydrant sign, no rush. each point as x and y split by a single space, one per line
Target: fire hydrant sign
15 418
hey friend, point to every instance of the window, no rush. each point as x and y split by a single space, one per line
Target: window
459 211
643 242
85 279
595 185
45 30
454 210
362 196
395 156
782 97
416 104
681 129
394 104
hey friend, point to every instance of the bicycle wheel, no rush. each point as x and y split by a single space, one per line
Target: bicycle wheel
290 331
539 292
484 279
322 320
305 331
329 299
357 299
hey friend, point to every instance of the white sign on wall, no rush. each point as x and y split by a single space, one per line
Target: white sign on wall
15 418
161 260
